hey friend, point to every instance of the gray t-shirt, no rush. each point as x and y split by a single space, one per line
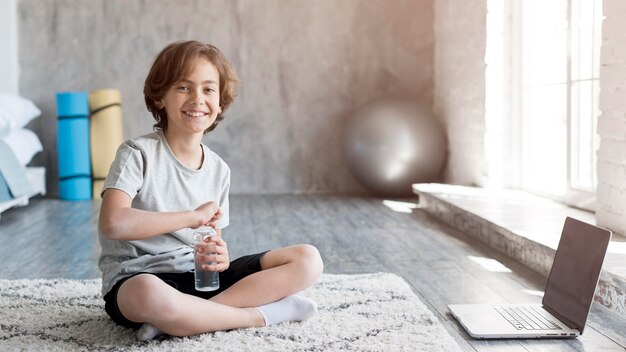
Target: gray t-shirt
146 169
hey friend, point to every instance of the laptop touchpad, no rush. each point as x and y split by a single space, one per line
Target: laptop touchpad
484 322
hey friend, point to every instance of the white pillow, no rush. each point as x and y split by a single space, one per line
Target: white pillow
15 112
24 143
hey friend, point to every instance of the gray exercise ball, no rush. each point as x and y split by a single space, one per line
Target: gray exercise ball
391 144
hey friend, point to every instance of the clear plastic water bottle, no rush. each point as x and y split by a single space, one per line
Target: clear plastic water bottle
205 280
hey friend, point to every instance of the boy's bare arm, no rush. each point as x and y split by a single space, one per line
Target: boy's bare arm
118 221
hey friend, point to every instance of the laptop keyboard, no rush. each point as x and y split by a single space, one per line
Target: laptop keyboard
528 318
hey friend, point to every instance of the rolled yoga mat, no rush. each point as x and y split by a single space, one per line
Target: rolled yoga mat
73 146
105 132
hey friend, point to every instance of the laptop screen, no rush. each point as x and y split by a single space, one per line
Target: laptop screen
575 271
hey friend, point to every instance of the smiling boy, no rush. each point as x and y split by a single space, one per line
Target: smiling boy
163 185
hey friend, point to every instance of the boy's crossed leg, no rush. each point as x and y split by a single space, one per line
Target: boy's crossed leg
285 271
146 298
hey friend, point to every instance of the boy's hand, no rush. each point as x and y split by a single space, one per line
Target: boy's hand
206 215
213 249
213 221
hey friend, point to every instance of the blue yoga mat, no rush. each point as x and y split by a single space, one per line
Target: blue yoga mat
73 104
73 145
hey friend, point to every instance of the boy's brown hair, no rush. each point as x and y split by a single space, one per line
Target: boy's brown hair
173 63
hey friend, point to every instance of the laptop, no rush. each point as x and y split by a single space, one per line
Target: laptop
567 299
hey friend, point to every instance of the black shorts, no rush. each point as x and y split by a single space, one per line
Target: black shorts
185 283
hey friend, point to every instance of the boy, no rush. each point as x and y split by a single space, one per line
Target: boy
163 185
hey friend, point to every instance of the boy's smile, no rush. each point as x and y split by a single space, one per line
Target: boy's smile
192 113
192 104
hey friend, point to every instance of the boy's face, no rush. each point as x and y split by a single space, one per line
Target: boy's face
192 104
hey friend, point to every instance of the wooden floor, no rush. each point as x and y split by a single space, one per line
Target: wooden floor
52 239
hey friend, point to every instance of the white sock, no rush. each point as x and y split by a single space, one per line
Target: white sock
291 308
147 332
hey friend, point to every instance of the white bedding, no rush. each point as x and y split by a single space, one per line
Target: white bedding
15 113
37 178
24 143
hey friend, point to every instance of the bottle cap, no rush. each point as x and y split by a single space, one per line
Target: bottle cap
206 229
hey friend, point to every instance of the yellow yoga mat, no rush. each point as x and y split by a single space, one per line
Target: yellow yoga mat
105 132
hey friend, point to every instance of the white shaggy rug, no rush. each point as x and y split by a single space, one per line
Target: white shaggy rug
366 312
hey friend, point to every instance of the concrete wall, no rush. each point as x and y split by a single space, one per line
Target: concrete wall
9 68
305 65
611 206
459 97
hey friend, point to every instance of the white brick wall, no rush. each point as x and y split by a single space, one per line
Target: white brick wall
611 210
459 98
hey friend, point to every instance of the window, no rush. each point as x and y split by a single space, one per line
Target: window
555 70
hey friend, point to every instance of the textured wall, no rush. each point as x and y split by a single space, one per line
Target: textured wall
8 47
459 95
611 207
305 65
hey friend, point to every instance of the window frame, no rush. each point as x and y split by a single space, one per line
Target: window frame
579 198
